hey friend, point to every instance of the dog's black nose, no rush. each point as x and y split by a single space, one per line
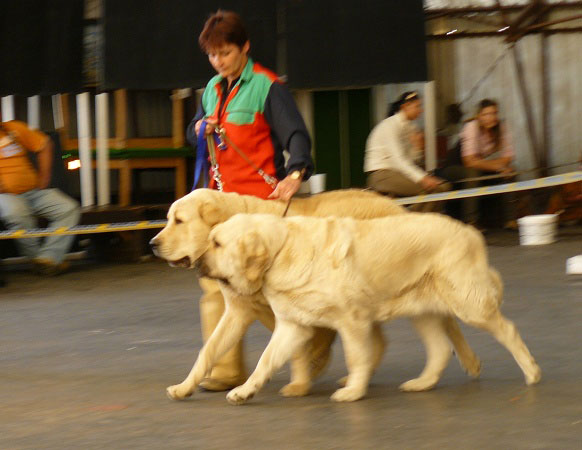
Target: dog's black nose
154 243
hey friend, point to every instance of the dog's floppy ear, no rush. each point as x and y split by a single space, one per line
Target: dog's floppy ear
212 213
254 255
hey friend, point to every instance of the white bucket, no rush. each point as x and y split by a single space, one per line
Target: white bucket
574 265
537 230
317 183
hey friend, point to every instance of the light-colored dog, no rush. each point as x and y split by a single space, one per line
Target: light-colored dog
347 275
185 239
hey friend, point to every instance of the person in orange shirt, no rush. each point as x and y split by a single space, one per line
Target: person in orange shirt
25 194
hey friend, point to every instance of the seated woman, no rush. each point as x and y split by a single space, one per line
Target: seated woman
485 150
391 155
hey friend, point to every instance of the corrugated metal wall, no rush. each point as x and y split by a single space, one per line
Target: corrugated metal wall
458 65
566 98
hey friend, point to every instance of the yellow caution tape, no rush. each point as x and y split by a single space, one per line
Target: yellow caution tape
83 229
555 180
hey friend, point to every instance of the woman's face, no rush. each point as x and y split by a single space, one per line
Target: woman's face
488 117
412 110
229 60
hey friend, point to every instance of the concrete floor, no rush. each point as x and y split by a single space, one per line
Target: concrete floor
85 359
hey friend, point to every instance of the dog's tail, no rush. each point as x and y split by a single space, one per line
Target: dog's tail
497 285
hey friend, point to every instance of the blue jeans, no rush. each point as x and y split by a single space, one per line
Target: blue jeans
19 211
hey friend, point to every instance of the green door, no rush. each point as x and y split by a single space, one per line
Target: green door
342 122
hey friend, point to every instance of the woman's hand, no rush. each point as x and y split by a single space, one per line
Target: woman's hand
286 188
430 183
208 130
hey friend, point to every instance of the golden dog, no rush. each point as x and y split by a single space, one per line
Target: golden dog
185 239
349 274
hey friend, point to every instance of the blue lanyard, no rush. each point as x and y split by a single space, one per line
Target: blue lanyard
202 164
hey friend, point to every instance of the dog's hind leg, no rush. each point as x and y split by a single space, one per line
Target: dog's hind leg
300 374
506 333
309 362
359 351
438 352
287 338
319 348
230 330
467 358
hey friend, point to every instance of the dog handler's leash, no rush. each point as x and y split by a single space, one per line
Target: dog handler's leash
223 139
291 198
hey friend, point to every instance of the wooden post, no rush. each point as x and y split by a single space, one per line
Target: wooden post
33 112
527 107
8 108
546 106
102 116
120 118
177 119
58 113
84 133
430 135
65 124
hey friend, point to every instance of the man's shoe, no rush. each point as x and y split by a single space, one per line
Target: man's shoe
511 225
46 267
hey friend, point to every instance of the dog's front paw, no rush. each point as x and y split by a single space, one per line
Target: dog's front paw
178 392
347 394
295 389
535 376
343 381
472 367
239 396
419 384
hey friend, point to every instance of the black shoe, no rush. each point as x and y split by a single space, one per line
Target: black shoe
46 267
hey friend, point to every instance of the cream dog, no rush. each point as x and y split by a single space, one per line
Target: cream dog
185 238
348 274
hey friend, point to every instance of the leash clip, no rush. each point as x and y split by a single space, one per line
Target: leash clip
221 139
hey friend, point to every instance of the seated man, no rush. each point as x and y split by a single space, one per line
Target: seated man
25 194
391 154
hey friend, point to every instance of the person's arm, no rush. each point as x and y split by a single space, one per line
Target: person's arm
501 165
470 154
387 140
45 159
287 124
194 126
37 142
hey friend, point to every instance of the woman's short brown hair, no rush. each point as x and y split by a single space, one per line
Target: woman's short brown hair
223 27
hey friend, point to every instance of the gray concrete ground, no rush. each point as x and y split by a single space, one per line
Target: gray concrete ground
85 359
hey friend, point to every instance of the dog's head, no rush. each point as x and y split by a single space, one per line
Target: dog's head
242 249
190 219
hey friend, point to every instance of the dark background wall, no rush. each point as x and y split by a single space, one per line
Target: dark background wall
40 46
333 43
153 44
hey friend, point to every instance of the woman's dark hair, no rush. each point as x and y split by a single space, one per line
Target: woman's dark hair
496 130
454 113
486 103
223 27
408 96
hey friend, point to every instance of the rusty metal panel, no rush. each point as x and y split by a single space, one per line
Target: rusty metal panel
438 4
565 60
459 71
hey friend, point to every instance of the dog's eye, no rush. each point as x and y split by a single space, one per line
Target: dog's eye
178 221
216 243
